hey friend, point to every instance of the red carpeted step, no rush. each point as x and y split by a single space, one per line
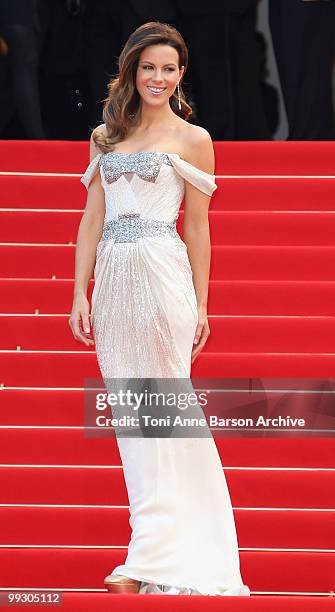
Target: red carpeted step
37 261
261 297
272 262
42 407
61 447
35 369
271 228
281 488
41 332
240 194
106 486
267 334
48 369
47 227
228 334
43 155
65 407
83 602
86 526
232 157
79 568
48 295
272 157
42 192
274 194
303 298
226 227
35 446
228 262
277 365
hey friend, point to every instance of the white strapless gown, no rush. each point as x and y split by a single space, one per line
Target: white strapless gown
144 317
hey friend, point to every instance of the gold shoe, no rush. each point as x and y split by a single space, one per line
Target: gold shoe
121 584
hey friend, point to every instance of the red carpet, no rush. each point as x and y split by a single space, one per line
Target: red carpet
294 488
47 446
229 334
74 602
80 568
231 262
245 297
227 227
88 527
250 194
271 306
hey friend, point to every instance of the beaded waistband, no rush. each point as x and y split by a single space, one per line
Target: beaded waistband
129 227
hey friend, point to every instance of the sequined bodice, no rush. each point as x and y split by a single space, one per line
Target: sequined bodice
145 164
150 184
144 183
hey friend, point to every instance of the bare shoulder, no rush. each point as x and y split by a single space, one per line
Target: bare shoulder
94 150
100 128
198 147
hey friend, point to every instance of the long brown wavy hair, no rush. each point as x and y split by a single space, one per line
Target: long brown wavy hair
122 103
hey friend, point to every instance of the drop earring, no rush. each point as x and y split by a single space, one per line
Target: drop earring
179 102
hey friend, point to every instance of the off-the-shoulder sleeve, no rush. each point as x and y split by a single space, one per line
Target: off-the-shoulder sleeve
91 170
200 179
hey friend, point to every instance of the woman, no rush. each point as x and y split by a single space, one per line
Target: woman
149 312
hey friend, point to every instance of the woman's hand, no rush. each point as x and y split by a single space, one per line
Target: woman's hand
79 320
201 333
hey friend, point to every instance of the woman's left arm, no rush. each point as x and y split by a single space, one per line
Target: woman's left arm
196 233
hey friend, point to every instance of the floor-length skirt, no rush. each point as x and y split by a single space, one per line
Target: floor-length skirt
144 317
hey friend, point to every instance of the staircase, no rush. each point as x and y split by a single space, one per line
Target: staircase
63 502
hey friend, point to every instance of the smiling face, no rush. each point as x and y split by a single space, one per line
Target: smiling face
158 74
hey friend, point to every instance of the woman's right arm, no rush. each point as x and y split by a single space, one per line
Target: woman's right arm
89 234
